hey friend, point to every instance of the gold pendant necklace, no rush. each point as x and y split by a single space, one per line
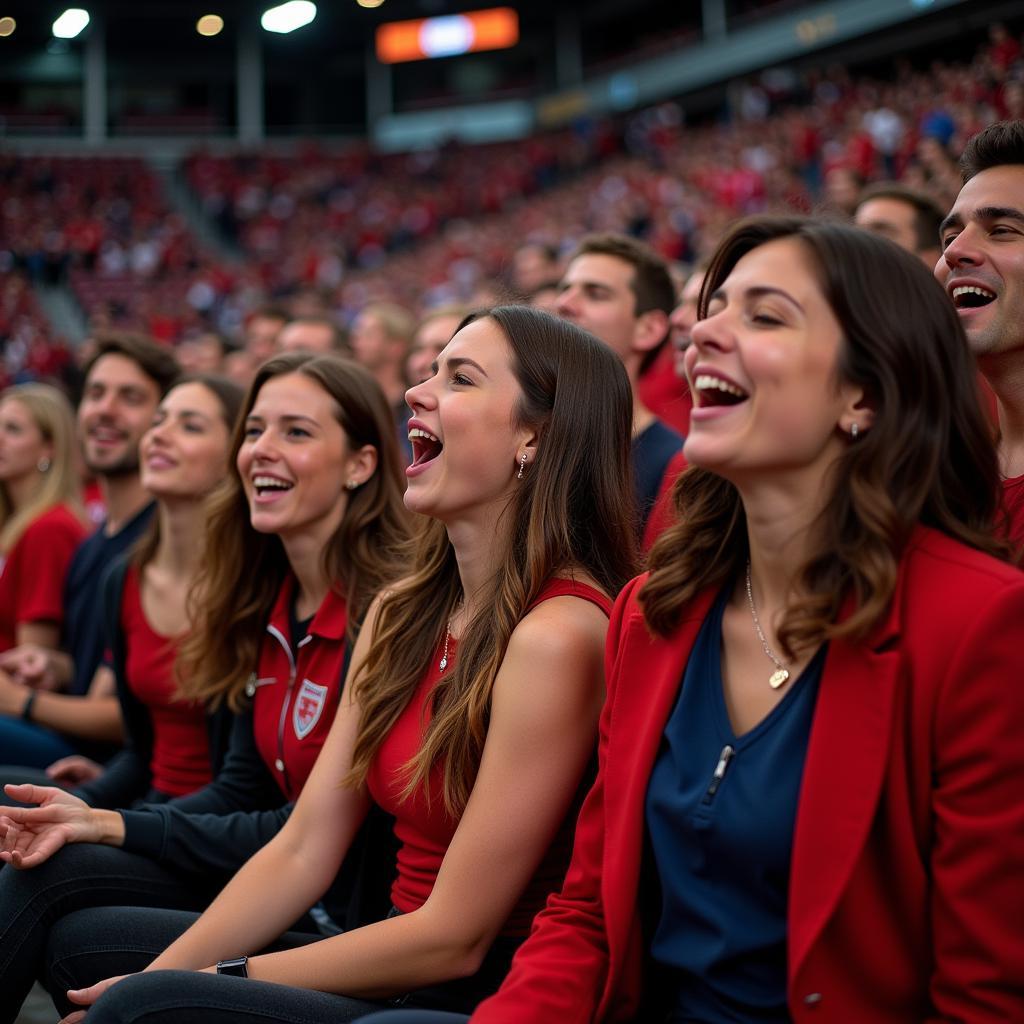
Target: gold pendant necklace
781 674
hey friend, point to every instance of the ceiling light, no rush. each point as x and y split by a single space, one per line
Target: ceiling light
210 25
70 23
288 17
7 26
369 3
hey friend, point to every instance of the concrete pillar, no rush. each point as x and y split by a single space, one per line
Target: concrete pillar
94 84
249 79
380 99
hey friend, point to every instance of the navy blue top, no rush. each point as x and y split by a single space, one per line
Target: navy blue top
720 815
653 449
83 610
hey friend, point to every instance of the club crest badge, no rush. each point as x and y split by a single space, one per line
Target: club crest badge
309 706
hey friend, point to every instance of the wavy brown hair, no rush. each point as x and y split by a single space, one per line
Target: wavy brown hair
243 570
927 459
572 513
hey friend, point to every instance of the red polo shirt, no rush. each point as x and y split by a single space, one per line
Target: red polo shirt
296 693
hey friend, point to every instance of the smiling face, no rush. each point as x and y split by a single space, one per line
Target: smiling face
295 460
763 370
982 264
184 454
22 444
466 445
117 408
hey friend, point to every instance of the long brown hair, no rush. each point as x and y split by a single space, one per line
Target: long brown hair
572 512
928 457
243 570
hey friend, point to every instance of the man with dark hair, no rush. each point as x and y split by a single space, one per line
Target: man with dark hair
534 264
320 335
905 216
621 291
982 270
125 379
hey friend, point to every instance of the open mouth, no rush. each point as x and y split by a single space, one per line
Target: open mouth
970 296
714 391
425 446
266 485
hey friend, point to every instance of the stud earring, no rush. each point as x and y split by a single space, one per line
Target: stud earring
522 466
43 464
854 431
351 485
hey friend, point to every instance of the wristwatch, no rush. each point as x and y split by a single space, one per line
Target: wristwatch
236 967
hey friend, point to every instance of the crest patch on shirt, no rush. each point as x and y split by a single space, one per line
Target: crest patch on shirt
309 706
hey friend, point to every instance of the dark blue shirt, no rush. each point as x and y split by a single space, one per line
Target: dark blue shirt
83 609
653 449
720 815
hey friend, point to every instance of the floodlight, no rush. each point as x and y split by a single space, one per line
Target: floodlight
210 25
289 16
7 26
70 23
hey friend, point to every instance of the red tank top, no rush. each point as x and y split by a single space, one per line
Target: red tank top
425 832
180 762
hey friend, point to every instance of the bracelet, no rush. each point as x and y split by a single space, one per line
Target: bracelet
26 711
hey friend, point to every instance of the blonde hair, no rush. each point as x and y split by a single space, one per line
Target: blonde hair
59 485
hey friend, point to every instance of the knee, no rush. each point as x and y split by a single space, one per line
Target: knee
136 996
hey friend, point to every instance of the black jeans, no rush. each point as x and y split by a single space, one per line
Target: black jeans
77 877
91 945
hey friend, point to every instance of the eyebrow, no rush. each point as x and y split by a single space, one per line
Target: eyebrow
287 418
984 213
757 292
456 361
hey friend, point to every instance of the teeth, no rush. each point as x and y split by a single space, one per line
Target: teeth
270 481
416 432
970 289
705 382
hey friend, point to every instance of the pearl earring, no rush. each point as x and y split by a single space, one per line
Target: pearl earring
43 464
351 485
522 466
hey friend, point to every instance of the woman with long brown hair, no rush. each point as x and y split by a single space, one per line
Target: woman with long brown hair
472 710
809 796
299 538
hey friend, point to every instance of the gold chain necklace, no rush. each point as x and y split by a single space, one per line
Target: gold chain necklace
781 674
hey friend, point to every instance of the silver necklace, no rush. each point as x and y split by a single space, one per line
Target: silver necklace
781 674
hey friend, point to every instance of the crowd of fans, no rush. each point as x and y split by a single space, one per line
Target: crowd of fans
329 231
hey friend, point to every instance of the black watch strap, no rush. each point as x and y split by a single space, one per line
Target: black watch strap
236 967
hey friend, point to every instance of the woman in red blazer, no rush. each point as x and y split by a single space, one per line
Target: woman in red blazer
837 524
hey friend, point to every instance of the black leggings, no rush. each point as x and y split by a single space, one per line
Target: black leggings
91 945
77 877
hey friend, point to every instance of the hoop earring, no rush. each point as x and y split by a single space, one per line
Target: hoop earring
43 464
522 466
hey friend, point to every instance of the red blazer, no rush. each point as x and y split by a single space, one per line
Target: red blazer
906 894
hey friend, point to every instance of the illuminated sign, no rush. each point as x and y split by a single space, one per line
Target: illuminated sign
493 29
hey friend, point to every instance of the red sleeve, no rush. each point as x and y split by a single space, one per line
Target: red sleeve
559 973
978 812
43 554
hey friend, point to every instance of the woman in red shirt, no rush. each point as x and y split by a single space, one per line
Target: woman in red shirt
472 706
41 520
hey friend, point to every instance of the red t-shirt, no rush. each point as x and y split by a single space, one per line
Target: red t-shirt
1013 502
180 763
32 574
665 393
426 831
